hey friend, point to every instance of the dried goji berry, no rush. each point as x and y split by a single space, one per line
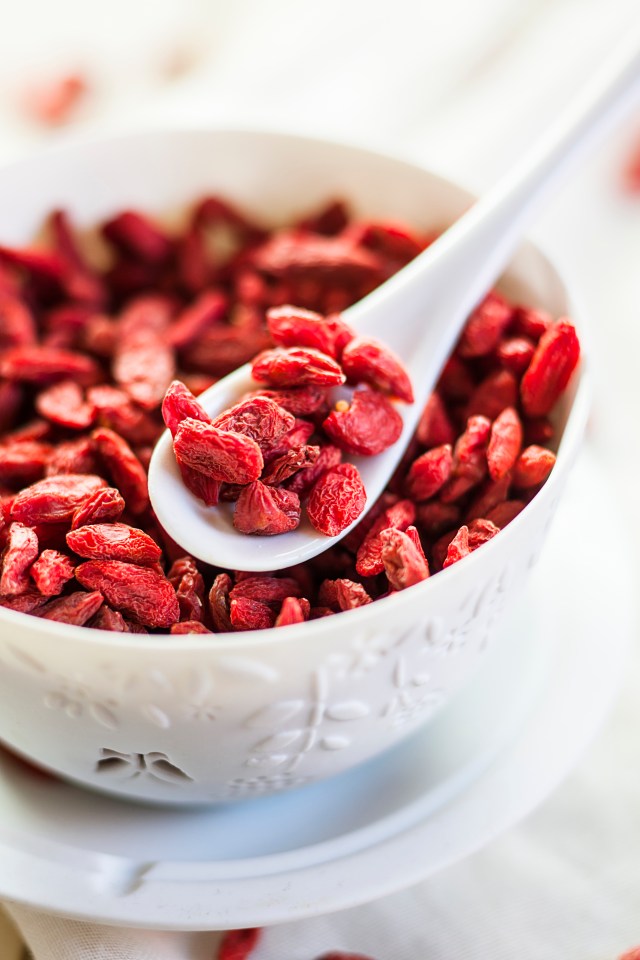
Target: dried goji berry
218 454
11 398
293 610
219 602
289 463
17 325
399 516
503 513
51 571
137 236
189 627
365 360
515 353
548 374
108 619
458 547
143 362
266 511
210 307
404 561
480 531
260 418
54 499
178 404
530 322
296 367
295 255
64 404
21 551
43 365
485 327
429 473
302 482
72 456
533 466
23 461
300 401
76 608
498 390
336 500
124 468
247 614
505 442
342 594
113 541
138 592
238 944
30 602
435 427
294 327
271 590
436 517
491 493
369 425
469 460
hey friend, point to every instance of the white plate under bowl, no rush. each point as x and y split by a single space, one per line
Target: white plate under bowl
484 763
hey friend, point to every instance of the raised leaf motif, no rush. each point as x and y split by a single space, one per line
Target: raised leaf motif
275 714
348 710
278 742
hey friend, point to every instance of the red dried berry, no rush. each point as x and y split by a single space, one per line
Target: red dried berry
271 590
404 561
266 511
365 360
219 602
503 513
498 390
293 610
247 614
289 463
295 255
505 442
108 619
137 236
218 454
530 322
296 367
294 327
179 404
370 425
128 474
76 608
550 370
485 327
469 460
104 504
23 461
399 516
436 517
259 418
342 594
114 541
64 405
17 325
51 571
515 353
435 427
44 365
238 944
209 309
54 499
144 363
302 482
300 401
20 552
336 500
189 627
429 473
533 467
138 592
458 547
480 531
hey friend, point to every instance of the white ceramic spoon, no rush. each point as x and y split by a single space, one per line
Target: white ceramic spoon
419 313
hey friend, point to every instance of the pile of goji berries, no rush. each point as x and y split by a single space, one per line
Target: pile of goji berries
257 453
88 354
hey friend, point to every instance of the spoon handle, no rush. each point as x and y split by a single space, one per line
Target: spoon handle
436 291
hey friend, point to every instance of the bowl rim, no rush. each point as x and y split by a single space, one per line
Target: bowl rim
360 616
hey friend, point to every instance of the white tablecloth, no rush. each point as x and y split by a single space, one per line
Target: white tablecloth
463 86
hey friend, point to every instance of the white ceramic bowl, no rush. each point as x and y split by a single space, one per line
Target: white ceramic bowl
215 718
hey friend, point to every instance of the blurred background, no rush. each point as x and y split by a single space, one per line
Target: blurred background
463 87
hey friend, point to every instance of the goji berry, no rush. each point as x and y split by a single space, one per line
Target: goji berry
342 594
238 944
289 463
498 390
515 353
533 466
17 325
296 367
266 511
72 456
20 552
210 307
271 590
189 627
485 327
505 442
469 460
293 610
300 401
247 614
143 362
219 454
113 541
76 608
51 571
42 365
458 547
137 236
429 473
23 461
503 513
302 481
294 327
404 561
398 516
64 404
369 425
108 619
219 602
138 592
104 504
550 370
54 499
435 427
365 360
295 255
480 531
260 418
336 500
124 468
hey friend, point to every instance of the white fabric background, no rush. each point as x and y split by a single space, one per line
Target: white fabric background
462 86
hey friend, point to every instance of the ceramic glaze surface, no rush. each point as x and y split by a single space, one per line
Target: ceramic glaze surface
204 719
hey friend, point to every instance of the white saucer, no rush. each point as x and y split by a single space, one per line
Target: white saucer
482 764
